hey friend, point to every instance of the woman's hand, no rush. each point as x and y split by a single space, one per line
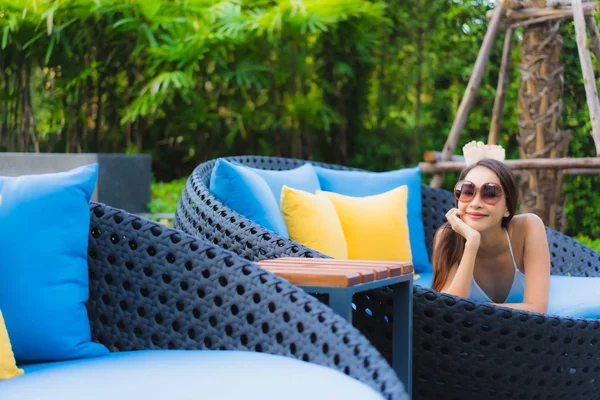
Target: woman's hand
459 226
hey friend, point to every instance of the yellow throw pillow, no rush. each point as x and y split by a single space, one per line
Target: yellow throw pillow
8 366
312 221
375 227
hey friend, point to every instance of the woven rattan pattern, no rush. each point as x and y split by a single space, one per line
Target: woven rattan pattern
157 288
461 349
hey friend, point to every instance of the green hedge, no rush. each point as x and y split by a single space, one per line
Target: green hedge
593 243
165 195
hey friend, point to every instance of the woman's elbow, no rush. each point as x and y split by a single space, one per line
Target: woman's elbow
539 307
543 308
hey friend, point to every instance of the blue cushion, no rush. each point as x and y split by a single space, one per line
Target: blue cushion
244 191
178 374
302 178
44 226
365 183
424 279
569 296
573 296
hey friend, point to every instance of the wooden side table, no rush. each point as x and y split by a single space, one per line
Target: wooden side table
340 279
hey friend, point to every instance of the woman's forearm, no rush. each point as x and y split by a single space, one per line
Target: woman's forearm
461 284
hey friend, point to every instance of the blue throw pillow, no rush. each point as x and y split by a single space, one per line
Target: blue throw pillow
243 190
303 178
365 183
44 227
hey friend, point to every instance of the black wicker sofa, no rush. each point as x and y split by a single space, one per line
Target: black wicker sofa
155 288
461 349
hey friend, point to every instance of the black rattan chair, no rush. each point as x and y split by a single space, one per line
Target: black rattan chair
152 287
461 349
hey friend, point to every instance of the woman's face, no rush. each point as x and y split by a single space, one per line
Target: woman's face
478 214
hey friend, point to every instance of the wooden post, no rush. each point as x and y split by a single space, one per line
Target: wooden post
498 110
589 80
470 92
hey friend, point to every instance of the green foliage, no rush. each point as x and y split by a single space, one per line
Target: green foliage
367 83
592 243
185 79
582 202
583 205
165 195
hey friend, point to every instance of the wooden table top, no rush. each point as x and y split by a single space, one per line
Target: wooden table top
334 272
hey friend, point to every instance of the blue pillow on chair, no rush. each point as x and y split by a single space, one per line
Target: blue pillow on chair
303 178
44 227
365 183
244 191
574 296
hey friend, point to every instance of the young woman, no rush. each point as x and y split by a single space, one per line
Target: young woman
487 253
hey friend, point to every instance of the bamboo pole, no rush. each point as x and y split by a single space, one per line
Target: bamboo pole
589 79
528 13
470 92
498 110
592 28
537 13
433 156
581 171
519 4
520 164
539 20
543 12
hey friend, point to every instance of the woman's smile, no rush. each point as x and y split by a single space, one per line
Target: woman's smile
476 216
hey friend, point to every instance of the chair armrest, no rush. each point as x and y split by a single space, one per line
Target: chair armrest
479 350
200 213
570 257
152 287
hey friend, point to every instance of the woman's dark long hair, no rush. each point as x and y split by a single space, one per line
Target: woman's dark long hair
451 245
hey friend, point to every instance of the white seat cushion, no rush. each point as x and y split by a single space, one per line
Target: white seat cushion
183 375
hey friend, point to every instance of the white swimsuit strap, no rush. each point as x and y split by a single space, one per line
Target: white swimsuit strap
512 255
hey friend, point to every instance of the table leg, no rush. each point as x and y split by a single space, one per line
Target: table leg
341 302
402 333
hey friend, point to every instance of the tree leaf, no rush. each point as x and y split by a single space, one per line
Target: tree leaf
149 35
67 47
5 37
149 8
49 49
122 22
32 40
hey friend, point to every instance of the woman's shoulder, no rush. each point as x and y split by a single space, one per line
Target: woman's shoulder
527 222
527 231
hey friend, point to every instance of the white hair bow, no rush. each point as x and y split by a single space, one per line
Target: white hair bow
475 151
